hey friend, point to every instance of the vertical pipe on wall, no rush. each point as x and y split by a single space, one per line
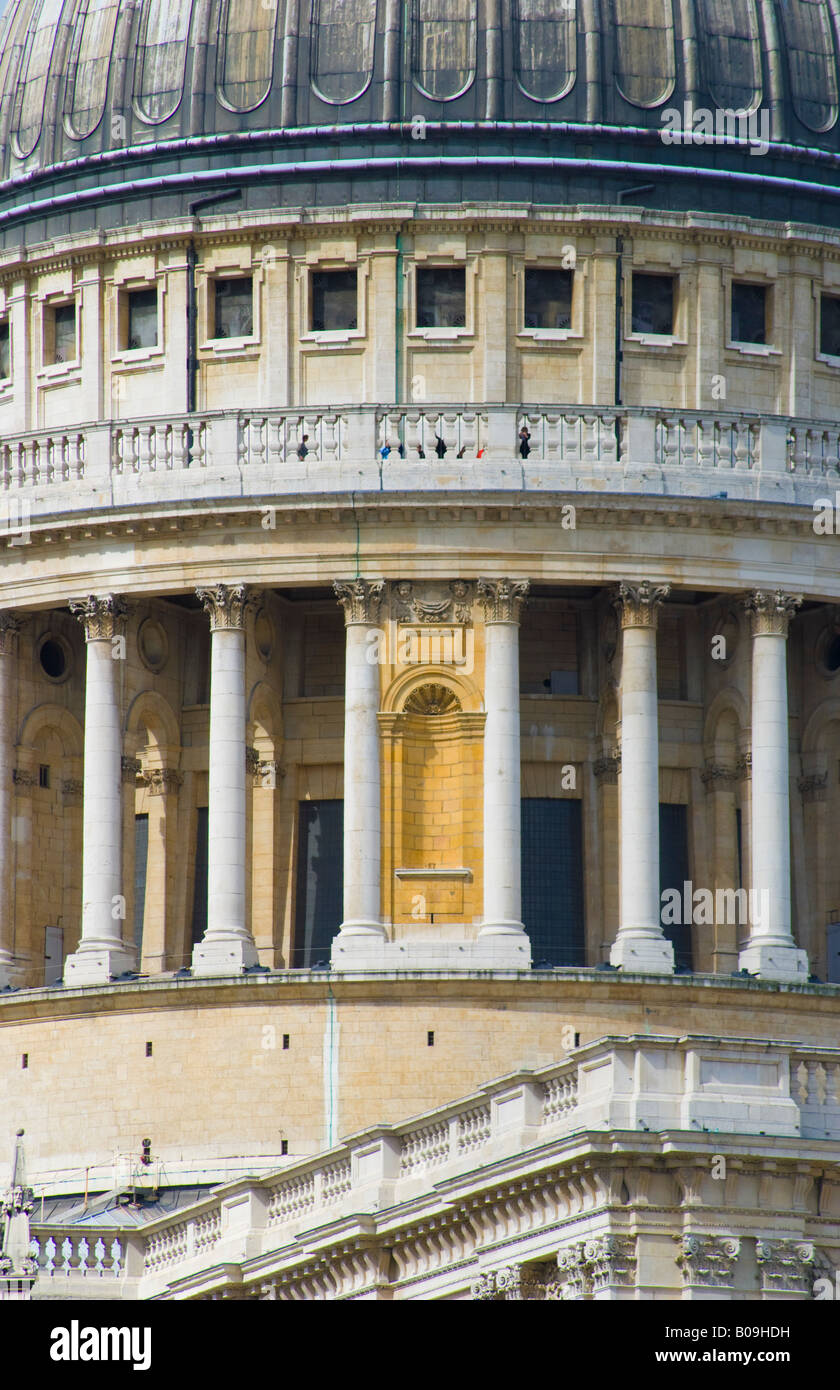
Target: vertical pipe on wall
288 109
495 78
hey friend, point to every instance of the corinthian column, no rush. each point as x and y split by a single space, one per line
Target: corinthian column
770 951
360 600
9 626
102 953
502 600
640 944
228 947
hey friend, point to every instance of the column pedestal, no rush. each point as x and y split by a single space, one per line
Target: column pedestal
641 944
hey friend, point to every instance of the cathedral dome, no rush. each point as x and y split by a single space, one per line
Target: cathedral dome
340 101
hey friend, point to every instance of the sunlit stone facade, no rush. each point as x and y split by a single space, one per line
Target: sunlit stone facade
420 631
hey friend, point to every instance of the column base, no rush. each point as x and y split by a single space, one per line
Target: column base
501 928
511 952
366 930
769 962
224 957
646 955
97 967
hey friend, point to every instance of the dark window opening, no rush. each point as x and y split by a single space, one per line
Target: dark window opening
5 350
234 317
334 300
831 659
653 303
285 1042
148 1049
284 1147
142 319
199 915
829 326
44 776
749 313
24 1061
548 298
430 1039
141 861
53 659
552 880
673 874
441 297
64 333
320 878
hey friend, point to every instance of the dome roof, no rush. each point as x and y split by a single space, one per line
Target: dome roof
120 86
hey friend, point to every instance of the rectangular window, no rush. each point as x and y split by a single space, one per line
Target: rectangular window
5 350
335 301
44 776
199 914
653 304
829 326
142 319
141 861
548 298
64 333
441 297
234 307
548 651
552 880
320 880
673 874
749 313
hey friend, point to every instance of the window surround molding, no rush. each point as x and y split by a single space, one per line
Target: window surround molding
315 339
656 342
439 337
771 285
818 292
8 318
125 358
47 300
554 338
227 264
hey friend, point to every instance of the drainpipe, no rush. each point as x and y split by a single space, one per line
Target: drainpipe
192 316
619 294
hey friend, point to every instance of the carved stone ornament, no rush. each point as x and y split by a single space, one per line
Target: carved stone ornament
607 768
162 780
573 1272
360 599
717 776
771 611
708 1260
433 606
9 629
24 779
743 765
785 1266
131 769
72 790
102 616
517 1283
638 604
813 786
432 700
503 599
227 605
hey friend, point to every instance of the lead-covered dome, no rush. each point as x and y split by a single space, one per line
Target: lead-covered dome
135 89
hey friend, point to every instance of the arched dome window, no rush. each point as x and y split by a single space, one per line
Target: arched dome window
732 54
645 66
245 52
342 64
812 61
32 80
444 47
161 59
545 38
90 62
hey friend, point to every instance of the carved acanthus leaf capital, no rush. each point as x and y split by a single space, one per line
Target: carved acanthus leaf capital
638 604
227 605
607 768
360 599
131 769
708 1260
102 616
785 1265
503 599
9 628
771 611
718 776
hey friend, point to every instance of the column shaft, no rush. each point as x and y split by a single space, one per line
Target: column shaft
640 944
8 647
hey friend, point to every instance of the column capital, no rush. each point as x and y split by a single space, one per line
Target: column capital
227 605
503 599
131 769
163 780
718 776
708 1260
770 611
101 615
10 626
360 599
638 604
